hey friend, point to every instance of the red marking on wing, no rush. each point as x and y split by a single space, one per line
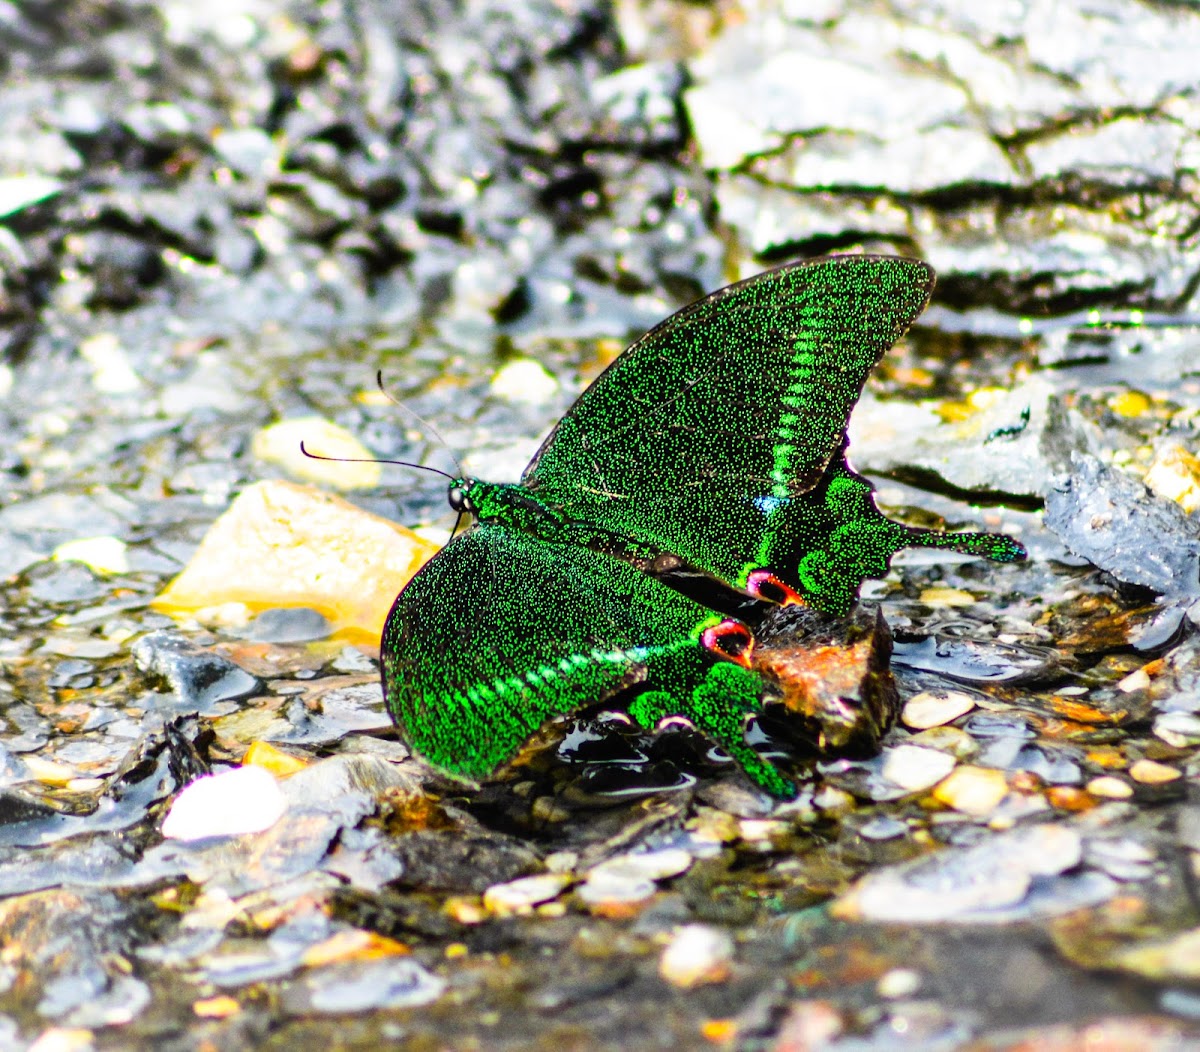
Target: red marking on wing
729 639
765 585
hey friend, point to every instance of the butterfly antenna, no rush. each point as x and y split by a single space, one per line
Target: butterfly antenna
373 460
419 419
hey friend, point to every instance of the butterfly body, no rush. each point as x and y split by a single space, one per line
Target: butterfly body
714 445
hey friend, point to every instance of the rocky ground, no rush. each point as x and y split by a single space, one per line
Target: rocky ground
216 218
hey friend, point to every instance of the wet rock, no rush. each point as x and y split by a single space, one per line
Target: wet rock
976 661
918 99
1111 519
360 986
832 675
1014 444
66 947
199 677
282 545
288 625
1007 877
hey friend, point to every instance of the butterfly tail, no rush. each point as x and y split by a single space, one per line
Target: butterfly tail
998 547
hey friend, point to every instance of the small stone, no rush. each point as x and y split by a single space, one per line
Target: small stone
947 597
1151 772
935 708
1175 475
973 790
882 827
899 982
112 371
1137 680
1069 798
697 954
833 800
104 555
280 444
652 865
1178 729
220 1007
957 742
20 191
1110 788
276 761
522 894
241 800
526 381
914 768
615 894
63 1039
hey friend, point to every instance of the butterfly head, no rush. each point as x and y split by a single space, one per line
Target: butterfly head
460 495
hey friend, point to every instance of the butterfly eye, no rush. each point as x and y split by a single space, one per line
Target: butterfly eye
459 501
729 639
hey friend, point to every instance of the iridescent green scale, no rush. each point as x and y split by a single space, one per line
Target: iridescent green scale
716 442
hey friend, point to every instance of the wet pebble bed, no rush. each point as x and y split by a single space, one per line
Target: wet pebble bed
215 226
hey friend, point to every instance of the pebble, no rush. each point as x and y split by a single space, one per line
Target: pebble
987 880
913 768
651 865
20 191
282 544
616 894
1136 680
1175 475
899 982
104 555
112 371
233 802
522 894
526 381
276 761
279 444
935 708
882 827
947 597
1151 772
973 790
697 954
1178 729
1110 787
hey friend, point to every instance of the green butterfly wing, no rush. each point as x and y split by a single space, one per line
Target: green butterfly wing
719 436
501 632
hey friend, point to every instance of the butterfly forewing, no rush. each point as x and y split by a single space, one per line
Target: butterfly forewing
740 402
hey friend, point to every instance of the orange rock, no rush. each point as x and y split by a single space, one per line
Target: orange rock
280 544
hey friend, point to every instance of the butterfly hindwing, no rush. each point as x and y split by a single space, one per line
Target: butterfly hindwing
732 409
501 632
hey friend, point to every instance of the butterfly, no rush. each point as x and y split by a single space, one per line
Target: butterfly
714 446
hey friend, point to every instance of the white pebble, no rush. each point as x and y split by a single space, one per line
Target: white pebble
935 708
521 895
915 768
524 380
696 954
899 982
241 800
